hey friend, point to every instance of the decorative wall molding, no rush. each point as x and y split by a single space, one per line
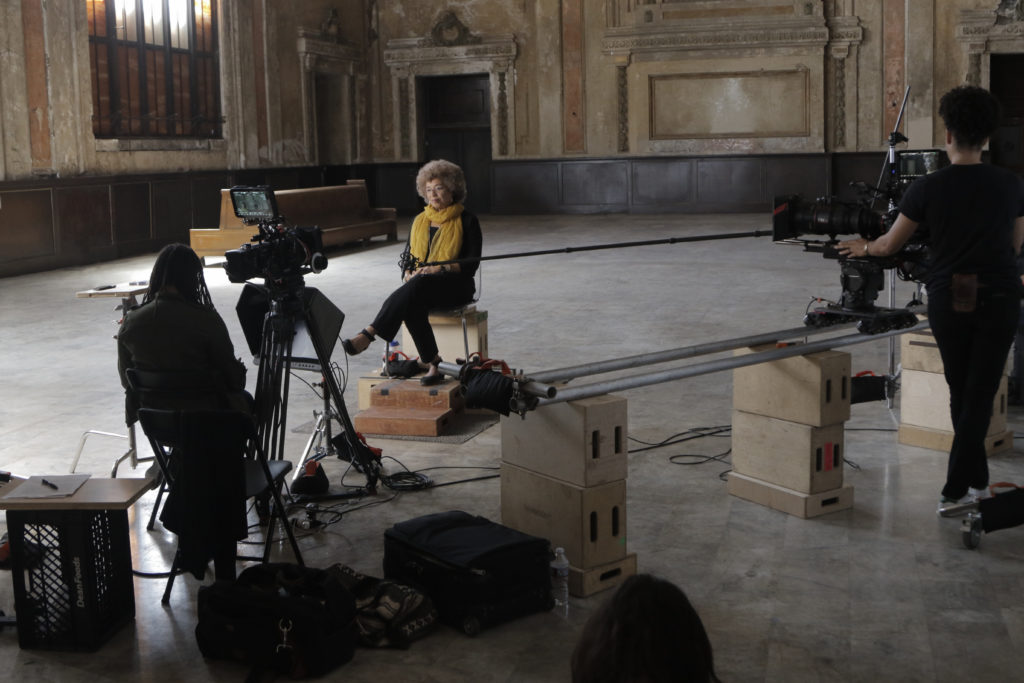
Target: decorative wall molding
719 34
845 36
450 49
322 51
986 32
728 39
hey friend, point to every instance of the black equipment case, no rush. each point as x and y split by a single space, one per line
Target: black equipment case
477 572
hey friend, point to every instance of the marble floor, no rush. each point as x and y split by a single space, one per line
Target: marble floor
883 591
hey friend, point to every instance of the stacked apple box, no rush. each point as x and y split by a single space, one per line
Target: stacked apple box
787 433
402 407
924 399
447 328
563 477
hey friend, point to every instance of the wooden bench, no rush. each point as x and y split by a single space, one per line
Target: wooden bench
342 212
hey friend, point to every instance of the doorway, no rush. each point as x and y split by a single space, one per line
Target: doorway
1007 84
457 127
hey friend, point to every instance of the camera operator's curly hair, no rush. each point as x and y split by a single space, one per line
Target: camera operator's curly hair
971 114
450 175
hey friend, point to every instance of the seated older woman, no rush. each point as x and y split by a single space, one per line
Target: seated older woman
444 231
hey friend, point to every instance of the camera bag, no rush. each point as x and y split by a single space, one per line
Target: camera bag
477 572
279 617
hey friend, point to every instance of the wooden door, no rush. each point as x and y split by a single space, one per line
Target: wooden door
1007 84
457 127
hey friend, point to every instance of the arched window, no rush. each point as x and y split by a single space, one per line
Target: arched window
154 67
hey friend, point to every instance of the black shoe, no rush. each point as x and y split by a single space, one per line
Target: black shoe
436 378
350 349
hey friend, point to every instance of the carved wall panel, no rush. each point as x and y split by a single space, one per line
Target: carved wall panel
986 32
763 103
745 77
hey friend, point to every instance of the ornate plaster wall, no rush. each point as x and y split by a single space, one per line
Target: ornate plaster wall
335 82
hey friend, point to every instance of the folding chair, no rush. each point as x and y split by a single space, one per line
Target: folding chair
173 390
213 464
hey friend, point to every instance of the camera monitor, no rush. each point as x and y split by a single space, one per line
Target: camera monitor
254 204
913 164
252 308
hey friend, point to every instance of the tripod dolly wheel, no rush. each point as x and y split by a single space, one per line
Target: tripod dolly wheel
971 530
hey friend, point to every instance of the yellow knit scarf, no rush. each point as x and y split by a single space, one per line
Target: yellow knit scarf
447 241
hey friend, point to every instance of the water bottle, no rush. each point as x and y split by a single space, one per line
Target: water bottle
395 350
560 582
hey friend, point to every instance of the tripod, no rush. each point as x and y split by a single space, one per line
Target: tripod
288 309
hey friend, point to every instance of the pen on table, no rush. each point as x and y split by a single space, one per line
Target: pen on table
47 482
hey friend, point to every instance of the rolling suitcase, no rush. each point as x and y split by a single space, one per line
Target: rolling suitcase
477 572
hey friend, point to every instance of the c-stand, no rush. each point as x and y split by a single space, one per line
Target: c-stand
287 308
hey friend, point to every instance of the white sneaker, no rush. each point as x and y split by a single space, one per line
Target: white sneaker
954 508
979 494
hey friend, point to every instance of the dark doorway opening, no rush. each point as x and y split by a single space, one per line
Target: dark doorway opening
1007 84
457 127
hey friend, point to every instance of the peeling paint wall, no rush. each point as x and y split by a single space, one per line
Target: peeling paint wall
599 88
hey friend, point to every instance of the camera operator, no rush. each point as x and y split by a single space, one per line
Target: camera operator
975 215
177 328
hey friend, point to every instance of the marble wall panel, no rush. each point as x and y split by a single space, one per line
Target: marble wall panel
733 104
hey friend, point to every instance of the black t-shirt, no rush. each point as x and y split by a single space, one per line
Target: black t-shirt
969 211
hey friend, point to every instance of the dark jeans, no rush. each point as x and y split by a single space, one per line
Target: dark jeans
412 302
973 347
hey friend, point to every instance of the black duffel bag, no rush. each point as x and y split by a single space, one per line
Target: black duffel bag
279 617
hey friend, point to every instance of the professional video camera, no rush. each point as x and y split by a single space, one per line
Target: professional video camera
861 276
278 252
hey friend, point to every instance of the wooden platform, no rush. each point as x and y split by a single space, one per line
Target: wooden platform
404 407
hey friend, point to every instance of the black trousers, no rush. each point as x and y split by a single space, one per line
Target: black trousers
412 302
973 347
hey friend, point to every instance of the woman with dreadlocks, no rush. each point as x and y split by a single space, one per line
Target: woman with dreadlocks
444 231
176 328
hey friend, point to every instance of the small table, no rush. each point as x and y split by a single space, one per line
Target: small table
126 292
71 563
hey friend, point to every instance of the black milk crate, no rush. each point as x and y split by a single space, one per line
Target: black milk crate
72 576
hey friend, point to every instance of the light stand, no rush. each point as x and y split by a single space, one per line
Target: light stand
895 138
320 444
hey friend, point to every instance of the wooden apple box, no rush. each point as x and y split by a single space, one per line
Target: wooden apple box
813 389
924 402
404 407
793 455
589 522
787 500
580 442
448 334
586 582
